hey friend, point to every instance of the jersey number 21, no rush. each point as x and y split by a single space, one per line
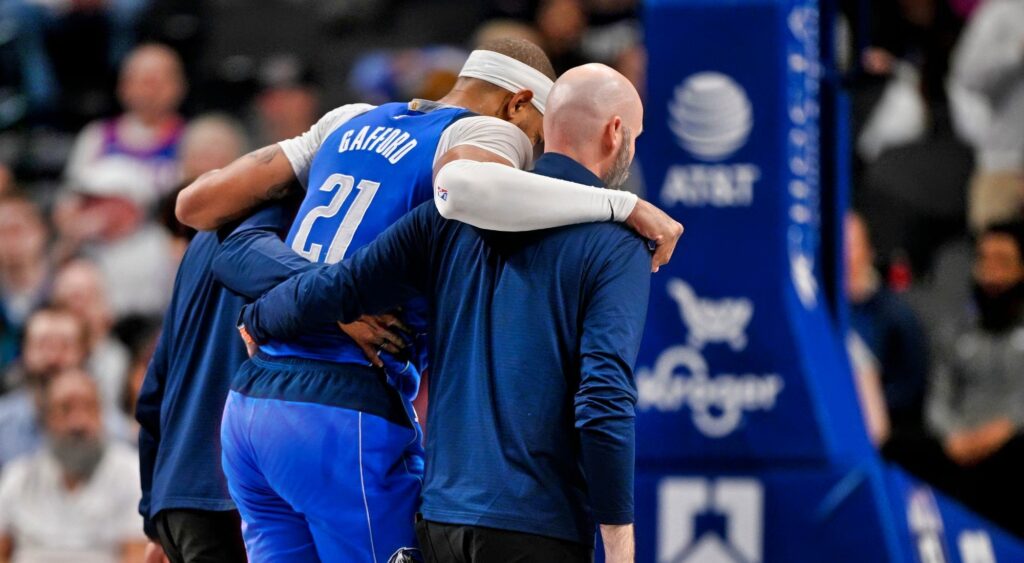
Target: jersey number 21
341 185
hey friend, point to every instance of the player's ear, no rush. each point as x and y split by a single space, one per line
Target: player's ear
519 102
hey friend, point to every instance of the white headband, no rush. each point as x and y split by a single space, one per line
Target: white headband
505 72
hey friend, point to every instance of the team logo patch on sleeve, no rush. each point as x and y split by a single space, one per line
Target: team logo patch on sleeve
442 193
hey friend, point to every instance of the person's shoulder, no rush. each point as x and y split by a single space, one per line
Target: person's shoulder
616 235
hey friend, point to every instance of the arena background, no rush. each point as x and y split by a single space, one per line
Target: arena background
765 121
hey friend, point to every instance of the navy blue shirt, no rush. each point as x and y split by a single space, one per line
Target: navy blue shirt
199 350
535 334
891 331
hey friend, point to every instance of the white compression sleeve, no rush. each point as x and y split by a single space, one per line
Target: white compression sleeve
501 198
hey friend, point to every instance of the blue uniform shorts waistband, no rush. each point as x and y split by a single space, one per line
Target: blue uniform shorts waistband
351 386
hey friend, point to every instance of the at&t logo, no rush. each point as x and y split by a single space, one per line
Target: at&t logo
711 118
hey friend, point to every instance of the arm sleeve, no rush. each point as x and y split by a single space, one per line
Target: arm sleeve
389 271
300 150
490 196
991 50
499 198
606 401
147 412
252 258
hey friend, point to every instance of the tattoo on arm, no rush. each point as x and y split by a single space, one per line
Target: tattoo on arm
265 155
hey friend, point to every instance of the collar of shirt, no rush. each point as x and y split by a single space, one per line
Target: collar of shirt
555 165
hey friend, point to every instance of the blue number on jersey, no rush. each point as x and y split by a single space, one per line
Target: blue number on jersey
365 176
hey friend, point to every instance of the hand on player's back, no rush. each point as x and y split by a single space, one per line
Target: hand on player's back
656 225
376 334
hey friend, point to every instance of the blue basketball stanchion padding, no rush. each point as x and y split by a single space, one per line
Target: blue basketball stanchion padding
751 444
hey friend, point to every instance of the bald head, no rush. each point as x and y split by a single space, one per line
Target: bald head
594 114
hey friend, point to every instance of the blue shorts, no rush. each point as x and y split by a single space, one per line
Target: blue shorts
318 482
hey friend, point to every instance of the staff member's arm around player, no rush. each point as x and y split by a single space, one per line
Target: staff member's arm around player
531 436
472 183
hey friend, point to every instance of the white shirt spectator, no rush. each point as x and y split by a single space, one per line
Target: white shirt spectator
50 524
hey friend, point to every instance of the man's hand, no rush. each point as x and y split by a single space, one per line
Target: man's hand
154 553
250 345
970 447
376 334
654 224
619 546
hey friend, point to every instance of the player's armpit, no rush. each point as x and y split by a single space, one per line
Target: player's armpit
221 196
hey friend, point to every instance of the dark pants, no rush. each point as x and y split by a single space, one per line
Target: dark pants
201 536
453 543
991 488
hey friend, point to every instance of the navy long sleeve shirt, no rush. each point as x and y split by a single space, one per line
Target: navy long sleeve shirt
534 339
182 397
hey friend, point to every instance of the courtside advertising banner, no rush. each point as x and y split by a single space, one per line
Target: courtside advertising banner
739 360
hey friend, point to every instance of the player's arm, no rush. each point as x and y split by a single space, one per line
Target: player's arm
221 196
478 180
389 271
606 400
252 258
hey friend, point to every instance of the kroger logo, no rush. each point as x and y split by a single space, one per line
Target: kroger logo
681 376
710 115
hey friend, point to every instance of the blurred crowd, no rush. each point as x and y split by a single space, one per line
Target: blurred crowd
935 250
109 107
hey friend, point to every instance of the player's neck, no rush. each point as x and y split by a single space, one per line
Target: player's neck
470 98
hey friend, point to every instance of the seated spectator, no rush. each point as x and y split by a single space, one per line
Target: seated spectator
55 340
150 88
78 287
75 499
975 407
24 270
105 219
887 325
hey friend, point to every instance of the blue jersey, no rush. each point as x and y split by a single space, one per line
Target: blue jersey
366 175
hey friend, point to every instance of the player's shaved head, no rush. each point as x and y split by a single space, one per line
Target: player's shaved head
593 109
484 98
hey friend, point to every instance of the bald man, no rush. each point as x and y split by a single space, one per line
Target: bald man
530 437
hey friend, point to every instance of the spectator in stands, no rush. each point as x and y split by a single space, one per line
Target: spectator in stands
78 287
24 270
105 219
75 499
989 60
889 328
55 340
210 142
289 102
975 407
150 88
562 24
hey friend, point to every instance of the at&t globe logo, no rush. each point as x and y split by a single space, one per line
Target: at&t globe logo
711 115
711 118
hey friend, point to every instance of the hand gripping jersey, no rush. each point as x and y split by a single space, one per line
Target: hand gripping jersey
367 173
